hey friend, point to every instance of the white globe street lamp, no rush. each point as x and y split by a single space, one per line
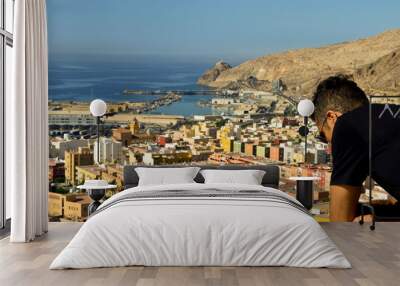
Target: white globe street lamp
305 109
98 108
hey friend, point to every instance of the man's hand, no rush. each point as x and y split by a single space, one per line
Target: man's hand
343 202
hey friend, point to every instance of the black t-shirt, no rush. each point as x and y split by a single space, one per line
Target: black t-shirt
350 147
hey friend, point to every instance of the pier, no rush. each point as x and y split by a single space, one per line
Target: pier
165 99
178 92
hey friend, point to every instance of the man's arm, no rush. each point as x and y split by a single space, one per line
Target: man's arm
343 202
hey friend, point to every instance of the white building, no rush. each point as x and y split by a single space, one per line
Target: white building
62 117
276 123
148 159
288 152
206 117
110 151
60 146
222 101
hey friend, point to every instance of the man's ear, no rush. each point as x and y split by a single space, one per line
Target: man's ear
331 117
330 114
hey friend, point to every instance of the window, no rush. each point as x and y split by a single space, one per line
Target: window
153 68
6 61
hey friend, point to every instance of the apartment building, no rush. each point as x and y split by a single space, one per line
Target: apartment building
110 151
74 159
61 145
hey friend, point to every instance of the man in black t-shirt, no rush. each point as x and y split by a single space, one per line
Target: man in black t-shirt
342 116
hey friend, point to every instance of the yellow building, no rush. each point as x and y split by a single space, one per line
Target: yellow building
226 139
73 159
114 175
55 204
167 159
70 206
196 130
187 132
117 107
298 157
84 173
76 207
227 144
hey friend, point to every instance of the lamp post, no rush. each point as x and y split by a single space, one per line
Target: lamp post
304 185
98 108
305 109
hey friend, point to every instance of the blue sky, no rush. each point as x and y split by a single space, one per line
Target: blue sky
228 29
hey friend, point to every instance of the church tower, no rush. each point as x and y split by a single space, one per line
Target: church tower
134 127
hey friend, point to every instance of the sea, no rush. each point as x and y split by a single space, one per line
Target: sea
79 78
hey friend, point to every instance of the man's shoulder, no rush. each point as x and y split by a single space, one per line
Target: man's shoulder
361 112
356 119
350 125
345 122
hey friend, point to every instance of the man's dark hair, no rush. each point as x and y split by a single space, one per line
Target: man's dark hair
337 93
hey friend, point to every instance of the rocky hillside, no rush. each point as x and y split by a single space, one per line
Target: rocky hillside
374 62
381 76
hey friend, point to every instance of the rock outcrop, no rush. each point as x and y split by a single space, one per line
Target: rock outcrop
213 73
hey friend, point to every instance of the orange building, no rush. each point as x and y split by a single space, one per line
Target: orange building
249 149
122 135
276 153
